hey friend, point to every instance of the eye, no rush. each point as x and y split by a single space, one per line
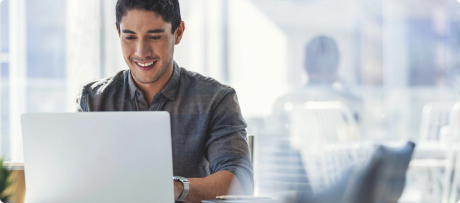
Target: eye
129 37
155 37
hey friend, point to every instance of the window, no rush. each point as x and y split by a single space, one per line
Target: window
395 55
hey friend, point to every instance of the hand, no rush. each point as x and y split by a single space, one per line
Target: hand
178 188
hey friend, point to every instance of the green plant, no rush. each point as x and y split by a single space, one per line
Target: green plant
4 182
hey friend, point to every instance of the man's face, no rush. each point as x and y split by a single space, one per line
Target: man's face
147 44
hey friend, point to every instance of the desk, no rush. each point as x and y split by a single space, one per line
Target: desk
241 201
13 165
433 154
425 155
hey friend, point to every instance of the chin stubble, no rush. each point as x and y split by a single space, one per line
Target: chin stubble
157 76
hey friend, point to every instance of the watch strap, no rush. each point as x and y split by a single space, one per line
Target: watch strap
186 183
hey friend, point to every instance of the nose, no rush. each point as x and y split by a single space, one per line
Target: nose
143 49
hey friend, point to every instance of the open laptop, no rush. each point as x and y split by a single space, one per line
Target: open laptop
98 157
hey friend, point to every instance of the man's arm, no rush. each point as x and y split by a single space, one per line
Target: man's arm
217 184
81 101
227 152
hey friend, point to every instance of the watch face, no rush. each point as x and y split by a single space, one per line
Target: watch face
181 179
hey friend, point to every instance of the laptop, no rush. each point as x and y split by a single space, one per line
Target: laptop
98 157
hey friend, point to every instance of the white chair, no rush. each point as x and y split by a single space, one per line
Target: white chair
320 130
288 159
435 115
454 140
433 174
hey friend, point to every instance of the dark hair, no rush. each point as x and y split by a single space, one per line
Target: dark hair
168 9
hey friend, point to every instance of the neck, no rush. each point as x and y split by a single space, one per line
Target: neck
151 89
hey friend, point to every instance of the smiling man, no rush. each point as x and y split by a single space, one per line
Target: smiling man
208 130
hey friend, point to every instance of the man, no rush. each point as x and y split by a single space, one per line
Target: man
208 130
290 121
322 60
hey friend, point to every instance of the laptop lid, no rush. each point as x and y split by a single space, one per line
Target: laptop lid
98 157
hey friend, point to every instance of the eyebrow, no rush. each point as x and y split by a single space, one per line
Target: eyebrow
156 31
149 31
128 31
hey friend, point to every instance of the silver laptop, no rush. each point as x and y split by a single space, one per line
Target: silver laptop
98 157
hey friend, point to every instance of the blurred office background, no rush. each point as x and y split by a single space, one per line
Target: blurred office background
400 58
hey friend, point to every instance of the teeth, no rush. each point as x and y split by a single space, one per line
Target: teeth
145 64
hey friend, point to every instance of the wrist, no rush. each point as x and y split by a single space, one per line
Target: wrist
178 189
183 187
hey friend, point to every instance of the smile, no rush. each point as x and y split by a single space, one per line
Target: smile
145 66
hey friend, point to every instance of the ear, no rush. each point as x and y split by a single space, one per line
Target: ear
179 32
118 31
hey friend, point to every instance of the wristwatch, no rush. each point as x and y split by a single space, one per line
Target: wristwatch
185 182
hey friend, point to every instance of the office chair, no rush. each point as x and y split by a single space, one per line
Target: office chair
380 180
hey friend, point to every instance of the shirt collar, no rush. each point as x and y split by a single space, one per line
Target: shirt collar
172 87
170 90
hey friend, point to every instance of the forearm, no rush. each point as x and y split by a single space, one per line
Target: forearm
220 183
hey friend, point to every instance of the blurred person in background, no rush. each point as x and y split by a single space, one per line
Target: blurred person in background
291 131
321 64
322 59
207 127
